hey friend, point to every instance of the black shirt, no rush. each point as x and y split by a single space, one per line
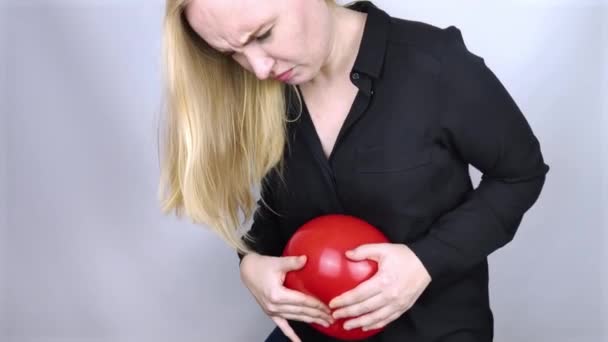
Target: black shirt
426 108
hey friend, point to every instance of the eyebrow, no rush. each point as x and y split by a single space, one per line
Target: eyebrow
248 40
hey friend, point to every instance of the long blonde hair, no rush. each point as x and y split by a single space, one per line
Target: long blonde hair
224 130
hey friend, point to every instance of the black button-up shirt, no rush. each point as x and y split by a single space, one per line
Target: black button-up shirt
426 108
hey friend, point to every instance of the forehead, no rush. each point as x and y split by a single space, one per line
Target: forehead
217 20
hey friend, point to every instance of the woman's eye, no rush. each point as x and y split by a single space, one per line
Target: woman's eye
264 36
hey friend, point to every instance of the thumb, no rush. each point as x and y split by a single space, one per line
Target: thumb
367 251
293 262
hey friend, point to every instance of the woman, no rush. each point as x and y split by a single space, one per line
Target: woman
344 109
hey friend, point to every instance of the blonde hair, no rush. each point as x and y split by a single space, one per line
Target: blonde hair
224 130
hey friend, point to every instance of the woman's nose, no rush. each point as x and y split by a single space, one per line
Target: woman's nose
260 63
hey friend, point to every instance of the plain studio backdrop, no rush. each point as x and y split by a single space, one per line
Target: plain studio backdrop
87 256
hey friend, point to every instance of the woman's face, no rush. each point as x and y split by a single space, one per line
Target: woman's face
286 35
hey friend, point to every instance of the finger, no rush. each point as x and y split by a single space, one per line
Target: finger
382 323
370 318
286 328
302 310
292 297
304 318
361 292
372 251
371 304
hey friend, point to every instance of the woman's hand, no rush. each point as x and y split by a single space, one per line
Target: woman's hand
264 276
400 280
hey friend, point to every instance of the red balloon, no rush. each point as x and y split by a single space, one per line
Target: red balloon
328 272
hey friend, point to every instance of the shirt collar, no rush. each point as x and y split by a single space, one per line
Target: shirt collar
372 49
370 57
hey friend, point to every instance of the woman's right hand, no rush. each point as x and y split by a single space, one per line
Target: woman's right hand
264 276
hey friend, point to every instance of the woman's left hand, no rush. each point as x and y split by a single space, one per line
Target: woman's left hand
400 280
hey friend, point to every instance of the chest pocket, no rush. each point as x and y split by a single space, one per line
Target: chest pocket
383 159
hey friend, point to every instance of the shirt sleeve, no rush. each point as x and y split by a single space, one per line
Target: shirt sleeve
264 230
482 124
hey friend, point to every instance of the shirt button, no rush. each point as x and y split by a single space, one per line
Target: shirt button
355 76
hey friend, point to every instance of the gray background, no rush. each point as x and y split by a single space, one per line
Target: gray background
85 254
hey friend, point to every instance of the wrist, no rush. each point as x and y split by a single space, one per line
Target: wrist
247 257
